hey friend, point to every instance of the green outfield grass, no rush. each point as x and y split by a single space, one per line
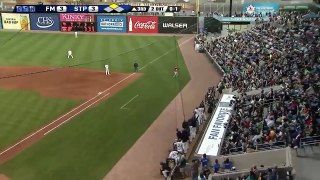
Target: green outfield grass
87 147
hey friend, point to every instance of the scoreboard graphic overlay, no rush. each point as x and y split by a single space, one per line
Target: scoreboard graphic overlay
112 8
77 22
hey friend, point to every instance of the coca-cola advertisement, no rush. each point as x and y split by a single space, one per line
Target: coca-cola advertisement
142 24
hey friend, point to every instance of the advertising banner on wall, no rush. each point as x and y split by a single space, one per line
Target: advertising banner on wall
45 22
77 22
112 24
215 133
260 7
142 24
15 21
182 25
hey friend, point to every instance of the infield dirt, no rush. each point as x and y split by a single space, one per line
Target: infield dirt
68 83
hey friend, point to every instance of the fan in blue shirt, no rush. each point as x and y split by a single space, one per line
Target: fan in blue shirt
227 164
216 166
204 161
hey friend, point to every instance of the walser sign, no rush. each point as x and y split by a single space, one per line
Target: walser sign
182 25
142 24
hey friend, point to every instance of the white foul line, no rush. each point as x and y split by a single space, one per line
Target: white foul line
156 59
26 138
75 114
122 107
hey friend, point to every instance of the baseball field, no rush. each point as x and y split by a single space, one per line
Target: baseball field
64 118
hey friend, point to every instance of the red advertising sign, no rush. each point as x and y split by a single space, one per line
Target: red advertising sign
142 24
76 18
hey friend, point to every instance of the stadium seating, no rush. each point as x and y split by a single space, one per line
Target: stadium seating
281 53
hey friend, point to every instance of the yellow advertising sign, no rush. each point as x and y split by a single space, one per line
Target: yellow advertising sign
15 21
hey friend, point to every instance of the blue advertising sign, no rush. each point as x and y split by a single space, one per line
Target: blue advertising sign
111 24
45 22
260 7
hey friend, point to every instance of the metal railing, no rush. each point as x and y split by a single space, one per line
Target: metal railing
259 147
310 141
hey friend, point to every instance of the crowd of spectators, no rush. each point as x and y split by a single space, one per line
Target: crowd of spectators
269 55
284 52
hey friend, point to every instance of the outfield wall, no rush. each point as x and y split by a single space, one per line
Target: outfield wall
99 23
116 23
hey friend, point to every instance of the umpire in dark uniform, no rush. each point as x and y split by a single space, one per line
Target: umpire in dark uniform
136 67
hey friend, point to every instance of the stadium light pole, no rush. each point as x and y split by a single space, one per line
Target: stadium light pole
198 14
198 7
230 9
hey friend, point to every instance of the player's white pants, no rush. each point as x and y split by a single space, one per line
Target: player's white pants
199 122
164 173
175 74
204 116
193 132
107 72
200 118
185 147
70 55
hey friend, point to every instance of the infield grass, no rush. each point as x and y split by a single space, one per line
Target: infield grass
87 147
23 111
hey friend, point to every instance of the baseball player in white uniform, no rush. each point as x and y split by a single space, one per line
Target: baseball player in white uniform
76 34
70 54
174 155
107 69
179 146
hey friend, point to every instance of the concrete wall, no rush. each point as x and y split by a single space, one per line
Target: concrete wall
267 158
282 158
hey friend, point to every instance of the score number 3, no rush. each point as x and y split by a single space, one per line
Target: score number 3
61 8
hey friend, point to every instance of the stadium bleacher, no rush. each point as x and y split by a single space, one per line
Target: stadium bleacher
282 52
